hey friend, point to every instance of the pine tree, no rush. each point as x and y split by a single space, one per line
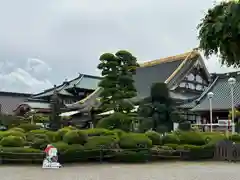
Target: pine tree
118 88
55 119
117 82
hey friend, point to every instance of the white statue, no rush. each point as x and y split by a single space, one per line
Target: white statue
51 160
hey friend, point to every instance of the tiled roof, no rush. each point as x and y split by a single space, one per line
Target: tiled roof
89 82
82 81
159 71
222 94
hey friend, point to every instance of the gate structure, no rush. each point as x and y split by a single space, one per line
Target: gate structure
227 150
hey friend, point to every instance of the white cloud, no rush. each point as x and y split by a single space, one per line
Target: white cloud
28 80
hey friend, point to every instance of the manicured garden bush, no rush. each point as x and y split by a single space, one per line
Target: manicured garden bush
52 135
61 146
131 156
75 137
40 143
184 126
119 132
17 129
12 141
12 133
135 141
28 127
193 138
116 121
170 139
155 137
64 130
101 142
98 132
235 138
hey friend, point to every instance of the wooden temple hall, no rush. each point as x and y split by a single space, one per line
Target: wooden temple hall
186 76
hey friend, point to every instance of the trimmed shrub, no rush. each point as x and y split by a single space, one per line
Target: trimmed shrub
64 130
131 156
61 146
135 141
13 133
101 142
98 132
17 129
116 121
28 127
162 129
27 154
193 138
52 135
155 137
12 141
74 153
170 139
75 137
39 143
184 126
235 138
119 132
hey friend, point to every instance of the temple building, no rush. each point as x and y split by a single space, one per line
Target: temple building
68 92
186 76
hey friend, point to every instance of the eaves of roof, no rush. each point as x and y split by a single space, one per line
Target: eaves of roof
222 94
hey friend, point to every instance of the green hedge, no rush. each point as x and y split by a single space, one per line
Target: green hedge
155 137
12 141
28 127
75 137
113 145
135 141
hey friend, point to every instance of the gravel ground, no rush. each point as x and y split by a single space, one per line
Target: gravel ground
155 171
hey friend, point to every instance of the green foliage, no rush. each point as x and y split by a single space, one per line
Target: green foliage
116 121
219 32
155 137
51 135
184 126
98 132
193 138
12 141
162 129
135 141
64 130
55 119
158 108
17 129
10 120
12 133
131 156
75 137
40 143
235 138
117 83
28 127
171 139
101 142
61 146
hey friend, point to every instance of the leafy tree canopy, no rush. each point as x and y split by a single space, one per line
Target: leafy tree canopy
219 32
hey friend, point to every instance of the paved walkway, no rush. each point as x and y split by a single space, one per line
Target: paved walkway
155 171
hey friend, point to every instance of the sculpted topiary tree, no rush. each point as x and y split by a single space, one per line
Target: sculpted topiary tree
158 109
117 84
219 32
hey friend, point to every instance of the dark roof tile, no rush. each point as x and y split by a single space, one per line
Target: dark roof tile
222 94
